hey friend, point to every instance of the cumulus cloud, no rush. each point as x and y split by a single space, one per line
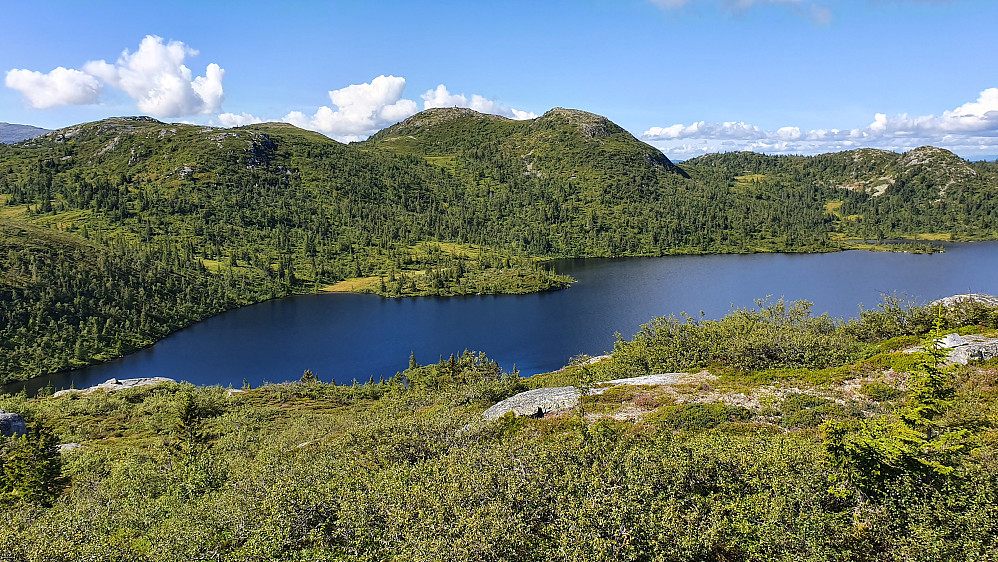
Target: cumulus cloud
441 97
971 128
61 86
364 109
361 110
705 130
237 120
155 76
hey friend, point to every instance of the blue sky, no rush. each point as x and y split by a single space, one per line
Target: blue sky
688 76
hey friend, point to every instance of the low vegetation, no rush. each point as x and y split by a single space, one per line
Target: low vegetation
794 437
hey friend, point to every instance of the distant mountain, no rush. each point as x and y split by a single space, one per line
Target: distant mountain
11 133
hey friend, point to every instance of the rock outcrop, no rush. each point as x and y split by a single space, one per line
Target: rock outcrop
114 385
11 424
647 380
537 402
987 300
544 401
963 349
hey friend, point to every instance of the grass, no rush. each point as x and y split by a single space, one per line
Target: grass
64 221
446 162
353 285
748 182
425 249
938 236
13 212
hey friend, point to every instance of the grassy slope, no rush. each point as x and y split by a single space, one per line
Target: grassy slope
733 466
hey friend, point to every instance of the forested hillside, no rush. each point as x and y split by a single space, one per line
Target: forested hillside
447 202
875 194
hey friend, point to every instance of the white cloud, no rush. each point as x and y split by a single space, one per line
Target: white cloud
61 86
969 129
237 120
441 97
156 77
361 110
705 130
364 109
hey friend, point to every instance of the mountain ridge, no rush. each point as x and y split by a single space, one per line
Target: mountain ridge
13 132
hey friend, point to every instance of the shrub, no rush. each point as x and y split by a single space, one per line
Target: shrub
880 392
773 336
698 416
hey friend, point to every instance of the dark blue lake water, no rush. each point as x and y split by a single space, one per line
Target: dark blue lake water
343 337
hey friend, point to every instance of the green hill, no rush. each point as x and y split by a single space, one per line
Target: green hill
926 192
447 202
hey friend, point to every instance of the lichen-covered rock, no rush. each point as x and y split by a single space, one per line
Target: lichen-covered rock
114 385
647 380
12 424
963 349
537 402
543 401
988 300
974 348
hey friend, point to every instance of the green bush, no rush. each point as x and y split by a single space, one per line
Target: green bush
776 335
881 392
698 416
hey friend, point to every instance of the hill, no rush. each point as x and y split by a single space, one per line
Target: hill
568 143
927 192
11 133
447 202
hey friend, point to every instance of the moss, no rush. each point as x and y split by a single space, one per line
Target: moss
900 362
697 416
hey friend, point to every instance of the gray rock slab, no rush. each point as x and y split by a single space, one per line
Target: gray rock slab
963 349
989 300
532 402
543 401
647 380
974 348
12 424
114 385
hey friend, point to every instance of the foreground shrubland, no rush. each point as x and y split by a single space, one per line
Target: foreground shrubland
794 438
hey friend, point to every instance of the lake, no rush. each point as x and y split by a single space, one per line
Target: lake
343 337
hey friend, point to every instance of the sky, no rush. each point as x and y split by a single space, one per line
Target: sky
687 76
